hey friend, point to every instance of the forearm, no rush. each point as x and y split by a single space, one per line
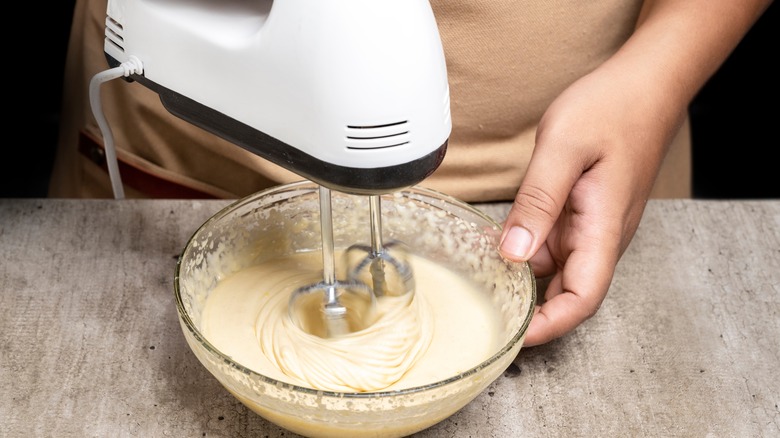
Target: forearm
678 45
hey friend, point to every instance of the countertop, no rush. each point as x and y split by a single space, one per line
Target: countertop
687 342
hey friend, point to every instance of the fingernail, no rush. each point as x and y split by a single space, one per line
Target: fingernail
517 243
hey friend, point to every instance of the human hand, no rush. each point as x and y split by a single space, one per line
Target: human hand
598 150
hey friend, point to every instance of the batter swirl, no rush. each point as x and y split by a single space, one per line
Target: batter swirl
417 339
368 360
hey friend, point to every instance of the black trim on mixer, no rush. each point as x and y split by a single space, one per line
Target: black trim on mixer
341 178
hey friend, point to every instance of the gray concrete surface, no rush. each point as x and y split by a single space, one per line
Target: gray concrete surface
687 343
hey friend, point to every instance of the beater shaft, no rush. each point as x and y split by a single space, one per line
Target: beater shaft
335 312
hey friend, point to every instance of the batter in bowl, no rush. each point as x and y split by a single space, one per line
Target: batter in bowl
445 327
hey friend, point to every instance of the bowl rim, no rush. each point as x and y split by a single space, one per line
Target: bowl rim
187 321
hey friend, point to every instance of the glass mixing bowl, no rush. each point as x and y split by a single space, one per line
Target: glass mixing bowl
285 219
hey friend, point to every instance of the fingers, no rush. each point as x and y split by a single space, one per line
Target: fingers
536 207
573 296
561 224
542 263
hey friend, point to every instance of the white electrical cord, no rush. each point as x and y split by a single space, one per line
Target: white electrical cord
132 66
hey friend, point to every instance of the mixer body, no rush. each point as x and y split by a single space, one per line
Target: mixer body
351 94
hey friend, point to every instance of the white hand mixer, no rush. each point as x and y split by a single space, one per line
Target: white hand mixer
351 94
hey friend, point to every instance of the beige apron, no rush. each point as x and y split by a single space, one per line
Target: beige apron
507 61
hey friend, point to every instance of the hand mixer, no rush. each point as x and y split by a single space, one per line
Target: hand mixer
350 94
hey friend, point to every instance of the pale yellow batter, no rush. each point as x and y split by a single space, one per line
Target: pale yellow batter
446 327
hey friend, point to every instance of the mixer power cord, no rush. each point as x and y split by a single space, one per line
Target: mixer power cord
132 66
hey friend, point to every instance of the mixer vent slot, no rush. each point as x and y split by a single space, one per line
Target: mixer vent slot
388 135
114 32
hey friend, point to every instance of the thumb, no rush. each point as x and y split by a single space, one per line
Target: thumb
538 204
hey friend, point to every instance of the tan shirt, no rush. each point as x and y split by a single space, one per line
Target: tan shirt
506 61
